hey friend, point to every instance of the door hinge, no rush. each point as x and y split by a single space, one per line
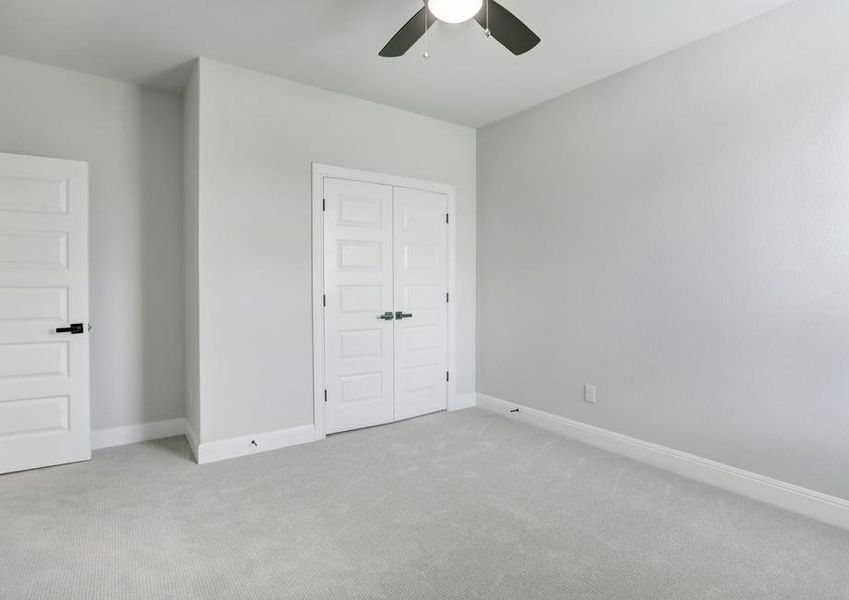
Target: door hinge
446 296
324 299
446 376
323 204
325 395
446 217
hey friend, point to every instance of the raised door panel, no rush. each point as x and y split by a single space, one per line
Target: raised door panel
33 194
23 304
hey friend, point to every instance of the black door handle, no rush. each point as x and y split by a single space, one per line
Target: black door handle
74 328
387 316
402 315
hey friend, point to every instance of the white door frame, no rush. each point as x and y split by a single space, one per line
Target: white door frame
319 172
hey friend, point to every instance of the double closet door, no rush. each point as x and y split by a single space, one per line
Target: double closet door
385 313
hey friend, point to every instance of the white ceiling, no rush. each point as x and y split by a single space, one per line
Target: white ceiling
333 44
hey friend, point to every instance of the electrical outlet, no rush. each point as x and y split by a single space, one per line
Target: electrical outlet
589 393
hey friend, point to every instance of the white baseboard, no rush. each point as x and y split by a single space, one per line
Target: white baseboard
192 438
829 509
240 446
132 434
462 401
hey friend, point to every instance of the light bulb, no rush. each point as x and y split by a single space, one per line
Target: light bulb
454 11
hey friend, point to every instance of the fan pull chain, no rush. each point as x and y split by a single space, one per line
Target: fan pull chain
487 32
426 54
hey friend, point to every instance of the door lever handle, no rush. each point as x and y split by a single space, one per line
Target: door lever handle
74 328
387 316
402 315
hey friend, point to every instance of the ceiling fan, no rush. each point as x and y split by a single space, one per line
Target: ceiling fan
497 22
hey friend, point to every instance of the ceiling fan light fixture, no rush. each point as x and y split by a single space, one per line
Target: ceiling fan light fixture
496 21
454 11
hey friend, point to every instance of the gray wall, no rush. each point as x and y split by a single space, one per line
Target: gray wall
258 137
678 235
131 139
191 191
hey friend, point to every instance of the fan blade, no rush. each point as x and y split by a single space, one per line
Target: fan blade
507 28
409 34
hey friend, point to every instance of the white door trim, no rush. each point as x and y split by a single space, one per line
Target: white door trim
319 172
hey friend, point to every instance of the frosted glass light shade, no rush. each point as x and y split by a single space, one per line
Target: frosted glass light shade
454 11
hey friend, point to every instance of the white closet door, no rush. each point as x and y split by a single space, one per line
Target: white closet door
358 292
421 284
44 372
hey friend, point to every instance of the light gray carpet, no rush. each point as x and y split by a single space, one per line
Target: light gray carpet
462 505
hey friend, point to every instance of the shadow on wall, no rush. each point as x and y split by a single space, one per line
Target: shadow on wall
158 225
131 139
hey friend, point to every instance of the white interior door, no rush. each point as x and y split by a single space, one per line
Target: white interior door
358 292
421 285
44 373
